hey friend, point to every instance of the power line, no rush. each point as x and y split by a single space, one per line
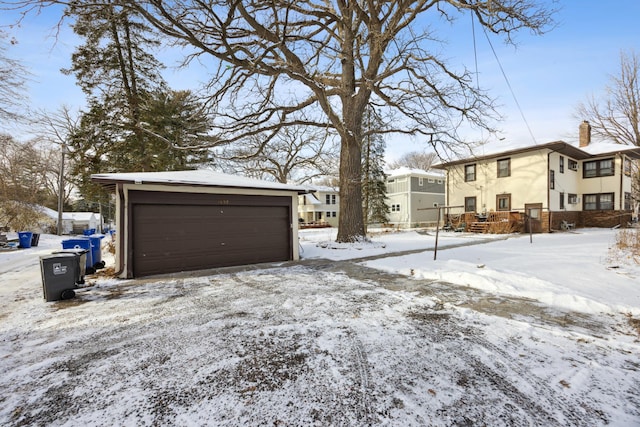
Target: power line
504 74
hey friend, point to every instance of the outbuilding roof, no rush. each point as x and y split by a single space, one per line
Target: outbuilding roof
202 177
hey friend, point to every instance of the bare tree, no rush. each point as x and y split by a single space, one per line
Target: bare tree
415 160
297 153
616 115
22 183
56 129
12 83
281 63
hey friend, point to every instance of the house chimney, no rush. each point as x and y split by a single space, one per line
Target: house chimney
585 133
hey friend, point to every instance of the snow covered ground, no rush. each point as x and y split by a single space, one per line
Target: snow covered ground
497 331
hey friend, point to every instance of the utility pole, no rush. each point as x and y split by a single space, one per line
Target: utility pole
61 189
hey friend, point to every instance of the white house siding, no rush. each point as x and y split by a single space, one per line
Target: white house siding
567 182
313 208
530 182
527 182
615 184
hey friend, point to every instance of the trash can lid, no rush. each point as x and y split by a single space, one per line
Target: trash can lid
78 251
59 255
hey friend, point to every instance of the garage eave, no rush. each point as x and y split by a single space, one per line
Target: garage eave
194 178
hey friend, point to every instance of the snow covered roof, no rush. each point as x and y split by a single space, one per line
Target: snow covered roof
404 171
595 149
603 148
206 178
323 189
80 216
50 213
312 199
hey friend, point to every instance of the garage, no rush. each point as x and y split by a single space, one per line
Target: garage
170 222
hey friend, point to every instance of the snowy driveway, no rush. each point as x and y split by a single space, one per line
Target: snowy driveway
317 343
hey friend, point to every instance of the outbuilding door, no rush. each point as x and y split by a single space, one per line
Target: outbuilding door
172 232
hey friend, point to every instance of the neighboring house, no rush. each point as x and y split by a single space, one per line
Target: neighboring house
85 221
321 207
545 186
412 196
51 222
72 222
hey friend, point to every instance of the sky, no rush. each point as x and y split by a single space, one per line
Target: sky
500 330
549 74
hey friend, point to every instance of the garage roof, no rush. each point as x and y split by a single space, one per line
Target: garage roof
205 178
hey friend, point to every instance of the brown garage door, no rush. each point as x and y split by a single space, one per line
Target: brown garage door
181 232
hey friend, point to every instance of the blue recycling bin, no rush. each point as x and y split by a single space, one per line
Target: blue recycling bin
96 250
89 231
81 243
25 238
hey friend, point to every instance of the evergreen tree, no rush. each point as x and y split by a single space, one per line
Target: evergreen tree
114 65
133 123
173 123
374 191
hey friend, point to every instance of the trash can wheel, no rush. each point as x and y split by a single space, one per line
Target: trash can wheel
68 294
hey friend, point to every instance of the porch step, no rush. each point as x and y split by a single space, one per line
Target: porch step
478 227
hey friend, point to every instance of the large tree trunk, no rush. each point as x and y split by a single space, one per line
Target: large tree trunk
350 223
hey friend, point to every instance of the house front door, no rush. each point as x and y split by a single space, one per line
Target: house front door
533 219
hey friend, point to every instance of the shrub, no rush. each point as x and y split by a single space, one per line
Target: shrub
627 245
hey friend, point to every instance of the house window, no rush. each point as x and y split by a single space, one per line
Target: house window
598 202
627 201
470 173
420 182
552 179
330 199
395 208
573 165
561 164
561 200
470 204
597 168
572 199
503 202
504 168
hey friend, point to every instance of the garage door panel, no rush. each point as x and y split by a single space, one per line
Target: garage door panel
171 238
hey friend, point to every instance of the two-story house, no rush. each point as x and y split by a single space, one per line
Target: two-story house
321 207
413 196
545 186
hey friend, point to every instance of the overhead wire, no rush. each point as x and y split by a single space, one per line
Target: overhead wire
504 74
